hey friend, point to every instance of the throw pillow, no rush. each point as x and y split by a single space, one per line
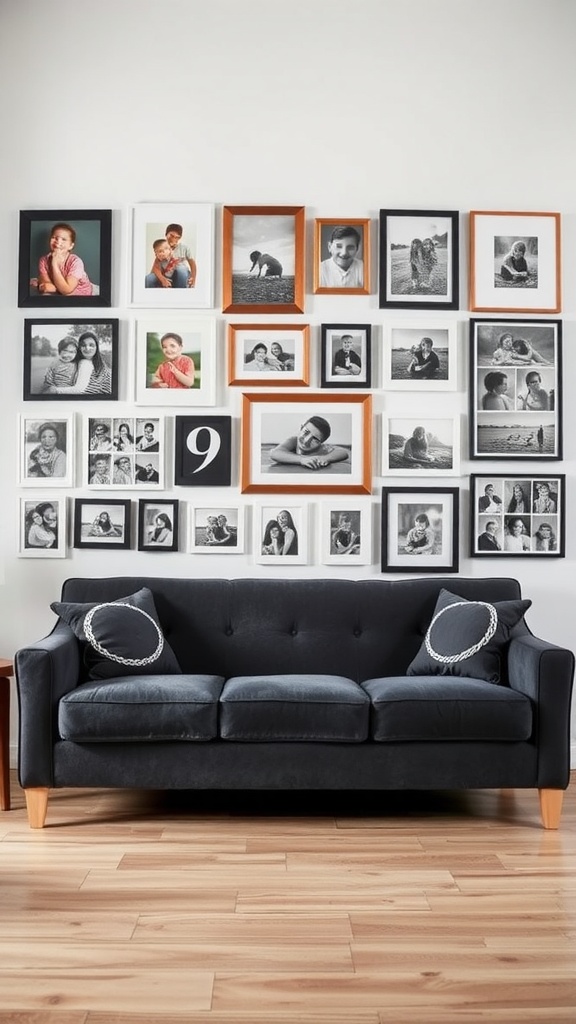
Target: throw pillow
467 638
123 637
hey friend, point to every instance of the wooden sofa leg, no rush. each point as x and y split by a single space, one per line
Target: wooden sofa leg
551 806
37 806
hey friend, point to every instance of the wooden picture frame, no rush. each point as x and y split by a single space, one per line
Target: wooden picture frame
420 529
263 259
515 515
158 525
345 532
421 355
182 232
56 354
421 445
84 237
216 529
186 343
281 533
42 527
122 452
515 389
269 355
203 451
346 356
515 262
102 523
46 451
419 259
273 444
342 256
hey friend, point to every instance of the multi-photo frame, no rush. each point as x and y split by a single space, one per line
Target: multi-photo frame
517 514
124 451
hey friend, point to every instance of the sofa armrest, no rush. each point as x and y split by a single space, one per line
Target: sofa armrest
545 673
44 671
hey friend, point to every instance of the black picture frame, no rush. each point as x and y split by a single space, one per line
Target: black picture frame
118 511
203 451
346 364
431 511
419 276
41 340
92 243
498 501
507 419
149 509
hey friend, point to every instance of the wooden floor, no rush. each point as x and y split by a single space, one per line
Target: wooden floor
139 908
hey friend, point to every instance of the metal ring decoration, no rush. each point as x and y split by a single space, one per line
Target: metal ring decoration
88 630
450 659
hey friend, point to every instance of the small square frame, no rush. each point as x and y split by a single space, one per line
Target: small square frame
203 451
296 532
116 460
149 224
441 443
34 537
401 361
206 538
517 497
278 287
289 368
433 547
324 271
198 336
154 535
346 369
112 534
345 532
46 465
41 340
93 244
419 257
504 282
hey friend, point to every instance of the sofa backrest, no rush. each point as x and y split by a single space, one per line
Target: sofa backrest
359 629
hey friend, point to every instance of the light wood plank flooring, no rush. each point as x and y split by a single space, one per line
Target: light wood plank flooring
147 908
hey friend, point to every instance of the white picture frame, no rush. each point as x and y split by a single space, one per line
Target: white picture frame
153 375
46 456
123 452
345 532
296 529
41 533
149 224
405 358
207 530
534 286
435 454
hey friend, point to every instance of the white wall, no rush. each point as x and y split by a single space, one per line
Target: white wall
343 107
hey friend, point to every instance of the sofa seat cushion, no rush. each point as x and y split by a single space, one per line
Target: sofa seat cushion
446 708
139 708
294 707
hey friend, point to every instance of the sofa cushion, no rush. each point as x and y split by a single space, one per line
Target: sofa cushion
142 707
430 708
467 638
123 637
294 707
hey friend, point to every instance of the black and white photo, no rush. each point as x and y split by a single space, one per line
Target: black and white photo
263 259
216 529
42 527
157 525
269 355
419 259
515 262
517 515
124 451
280 534
421 356
346 356
46 452
342 256
422 446
420 529
70 360
102 523
345 533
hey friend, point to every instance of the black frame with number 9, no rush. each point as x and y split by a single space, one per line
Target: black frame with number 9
203 454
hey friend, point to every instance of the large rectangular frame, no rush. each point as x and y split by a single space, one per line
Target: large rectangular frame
419 259
345 228
269 419
278 287
41 353
149 224
499 501
420 529
530 286
93 244
510 422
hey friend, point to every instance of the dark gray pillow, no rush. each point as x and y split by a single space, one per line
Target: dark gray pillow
467 638
123 637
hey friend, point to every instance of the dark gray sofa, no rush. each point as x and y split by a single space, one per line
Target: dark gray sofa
293 684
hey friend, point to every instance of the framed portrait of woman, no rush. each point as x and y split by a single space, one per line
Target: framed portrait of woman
281 534
158 524
70 360
46 451
42 531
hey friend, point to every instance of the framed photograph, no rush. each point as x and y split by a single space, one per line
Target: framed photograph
515 262
157 525
124 451
269 355
515 389
421 446
176 356
281 534
342 256
65 258
520 515
173 255
70 360
345 533
419 253
42 532
102 523
203 451
421 355
263 259
46 452
303 445
346 356
420 529
216 530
